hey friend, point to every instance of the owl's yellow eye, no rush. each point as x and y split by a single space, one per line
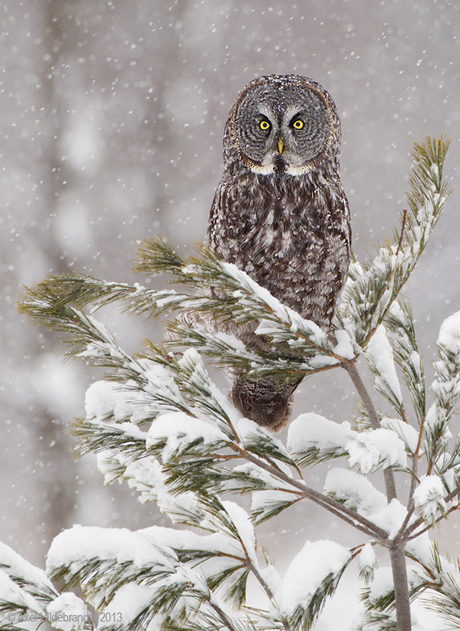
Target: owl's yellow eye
264 125
298 124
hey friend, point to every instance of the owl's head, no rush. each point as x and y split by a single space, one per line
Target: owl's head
284 124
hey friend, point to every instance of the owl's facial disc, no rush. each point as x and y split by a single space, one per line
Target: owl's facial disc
282 131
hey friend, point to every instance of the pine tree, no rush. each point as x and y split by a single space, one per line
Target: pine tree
160 423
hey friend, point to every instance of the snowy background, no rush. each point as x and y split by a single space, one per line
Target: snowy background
111 123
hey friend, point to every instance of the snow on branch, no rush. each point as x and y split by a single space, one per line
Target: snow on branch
400 322
154 572
227 295
312 577
446 390
25 591
27 596
440 582
380 359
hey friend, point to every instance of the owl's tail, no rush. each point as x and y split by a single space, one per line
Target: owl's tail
268 403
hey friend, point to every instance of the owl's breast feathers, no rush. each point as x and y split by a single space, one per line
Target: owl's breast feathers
290 234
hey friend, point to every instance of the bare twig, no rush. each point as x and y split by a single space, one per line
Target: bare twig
403 227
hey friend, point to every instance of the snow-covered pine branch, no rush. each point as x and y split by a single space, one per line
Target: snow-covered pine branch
446 391
380 359
401 324
373 286
225 295
27 596
160 575
439 581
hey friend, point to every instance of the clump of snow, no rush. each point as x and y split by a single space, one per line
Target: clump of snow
390 518
307 571
160 380
105 399
449 333
429 498
12 593
421 548
109 463
99 399
408 434
313 430
128 602
179 429
376 448
112 463
355 491
243 524
344 346
271 578
82 544
27 578
188 540
380 353
446 386
367 562
424 619
68 613
382 583
12 563
435 420
146 477
218 552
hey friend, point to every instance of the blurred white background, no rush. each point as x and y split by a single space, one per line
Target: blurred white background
111 131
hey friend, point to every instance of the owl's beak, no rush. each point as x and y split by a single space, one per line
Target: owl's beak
280 145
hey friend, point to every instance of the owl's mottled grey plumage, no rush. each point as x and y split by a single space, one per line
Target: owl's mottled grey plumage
280 213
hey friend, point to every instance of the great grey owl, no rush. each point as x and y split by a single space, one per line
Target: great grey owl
280 214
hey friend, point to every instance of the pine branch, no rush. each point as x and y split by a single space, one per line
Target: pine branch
374 286
227 295
401 324
440 584
304 601
380 360
446 390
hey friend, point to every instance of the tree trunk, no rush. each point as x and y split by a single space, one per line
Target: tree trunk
398 566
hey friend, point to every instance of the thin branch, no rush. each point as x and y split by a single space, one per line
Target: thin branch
414 480
247 562
226 622
403 227
452 494
268 591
